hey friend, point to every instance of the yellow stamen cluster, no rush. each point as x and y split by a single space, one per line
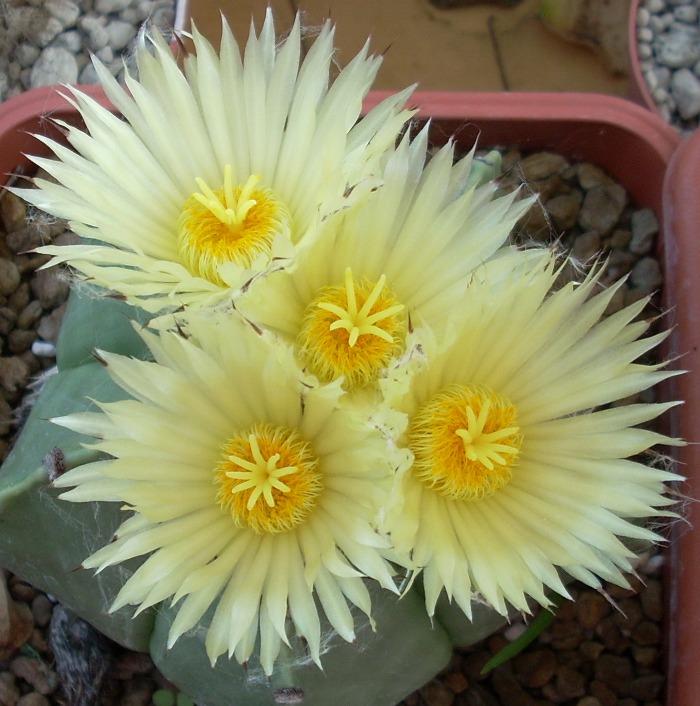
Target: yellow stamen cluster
352 330
466 440
268 479
232 224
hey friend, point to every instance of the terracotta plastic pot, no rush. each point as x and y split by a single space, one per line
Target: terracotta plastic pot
631 144
635 147
682 259
35 112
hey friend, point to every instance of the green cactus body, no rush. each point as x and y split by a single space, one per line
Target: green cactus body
378 669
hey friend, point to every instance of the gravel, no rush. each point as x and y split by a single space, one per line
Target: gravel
593 654
668 46
46 42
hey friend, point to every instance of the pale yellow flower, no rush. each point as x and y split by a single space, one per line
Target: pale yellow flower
247 490
520 469
398 262
219 170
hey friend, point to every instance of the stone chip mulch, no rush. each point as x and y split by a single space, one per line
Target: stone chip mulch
593 654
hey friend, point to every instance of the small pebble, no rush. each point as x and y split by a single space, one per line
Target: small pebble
54 65
685 89
36 673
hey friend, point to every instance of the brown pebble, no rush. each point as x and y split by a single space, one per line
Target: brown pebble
14 374
569 683
436 693
19 341
9 692
22 591
132 663
563 210
8 320
50 325
586 247
629 615
590 650
474 662
602 207
31 361
20 298
30 314
588 701
496 643
50 287
535 224
548 188
652 600
33 699
589 176
31 263
27 238
611 636
42 608
138 692
591 608
647 687
9 276
647 633
535 668
603 693
566 634
618 264
476 695
13 211
619 239
38 641
614 671
6 418
456 682
508 689
541 165
36 673
645 656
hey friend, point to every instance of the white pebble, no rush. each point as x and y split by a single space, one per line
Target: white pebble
109 7
685 89
54 65
43 349
26 54
70 40
643 17
660 95
120 34
52 28
644 51
645 34
65 11
655 6
687 14
652 81
663 76
514 631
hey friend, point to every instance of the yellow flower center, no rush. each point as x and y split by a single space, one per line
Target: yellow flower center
352 330
465 440
233 224
268 479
